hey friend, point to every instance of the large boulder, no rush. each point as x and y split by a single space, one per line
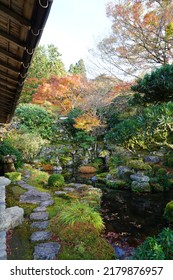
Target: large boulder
140 186
124 172
11 218
4 181
152 159
139 178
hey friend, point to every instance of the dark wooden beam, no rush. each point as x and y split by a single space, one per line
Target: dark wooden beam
10 77
11 83
6 104
13 39
11 55
7 87
2 93
12 68
4 88
14 15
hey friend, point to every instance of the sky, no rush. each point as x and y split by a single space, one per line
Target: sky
74 26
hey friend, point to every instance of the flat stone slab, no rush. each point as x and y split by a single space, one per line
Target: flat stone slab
25 185
40 225
47 203
39 216
46 251
69 189
40 236
60 193
33 196
40 209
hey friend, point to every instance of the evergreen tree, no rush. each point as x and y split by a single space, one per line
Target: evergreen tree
78 68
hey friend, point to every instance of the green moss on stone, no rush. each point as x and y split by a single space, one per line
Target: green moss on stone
13 176
168 212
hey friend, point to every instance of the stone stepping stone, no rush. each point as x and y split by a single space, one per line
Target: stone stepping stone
39 216
46 251
25 185
33 196
47 203
40 225
40 236
40 209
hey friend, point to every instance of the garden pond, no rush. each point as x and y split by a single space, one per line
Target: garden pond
129 218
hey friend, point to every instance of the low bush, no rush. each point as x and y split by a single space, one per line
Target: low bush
79 213
29 144
56 181
159 247
38 178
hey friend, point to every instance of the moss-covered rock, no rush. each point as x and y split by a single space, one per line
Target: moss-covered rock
116 184
156 187
13 176
139 165
168 212
140 187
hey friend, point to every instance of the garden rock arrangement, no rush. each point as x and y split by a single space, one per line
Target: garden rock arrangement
39 216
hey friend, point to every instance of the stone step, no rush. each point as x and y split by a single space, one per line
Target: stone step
46 251
39 209
39 216
40 236
40 225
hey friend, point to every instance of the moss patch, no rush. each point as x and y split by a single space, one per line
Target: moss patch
168 213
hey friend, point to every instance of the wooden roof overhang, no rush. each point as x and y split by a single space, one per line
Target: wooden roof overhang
21 26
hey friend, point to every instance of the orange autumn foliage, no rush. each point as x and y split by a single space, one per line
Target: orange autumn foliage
64 92
87 122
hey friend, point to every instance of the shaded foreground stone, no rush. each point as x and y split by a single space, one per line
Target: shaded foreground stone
11 217
39 216
40 225
33 196
40 236
46 251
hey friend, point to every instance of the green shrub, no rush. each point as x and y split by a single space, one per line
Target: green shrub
29 144
6 148
156 248
149 250
80 213
148 130
139 165
156 86
56 181
38 178
34 118
168 212
13 176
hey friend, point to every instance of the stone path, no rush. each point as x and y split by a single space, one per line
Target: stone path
39 216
